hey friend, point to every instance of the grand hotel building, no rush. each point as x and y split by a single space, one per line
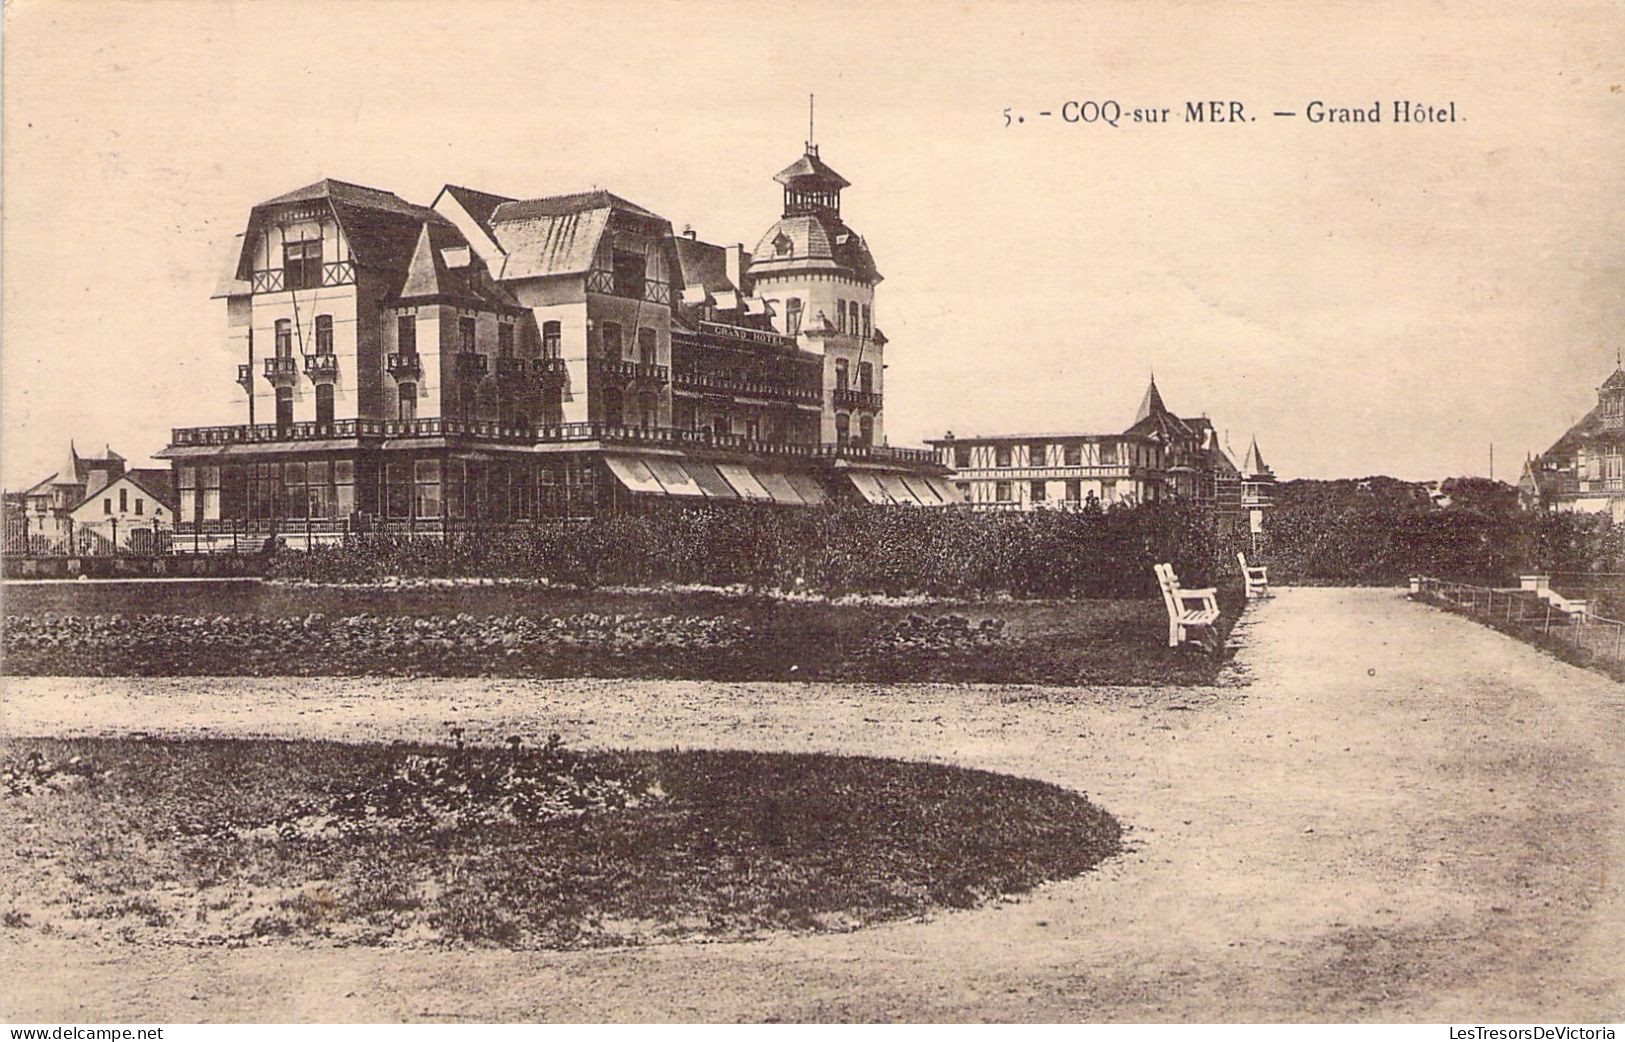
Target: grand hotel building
490 359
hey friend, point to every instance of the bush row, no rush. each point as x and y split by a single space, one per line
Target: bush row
856 549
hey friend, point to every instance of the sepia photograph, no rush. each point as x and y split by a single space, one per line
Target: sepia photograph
697 512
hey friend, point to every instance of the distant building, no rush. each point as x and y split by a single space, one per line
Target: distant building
494 359
94 502
1257 491
1584 470
1160 456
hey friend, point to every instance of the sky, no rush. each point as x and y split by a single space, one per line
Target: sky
1363 298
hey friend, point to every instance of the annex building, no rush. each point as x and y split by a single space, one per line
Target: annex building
1159 456
92 504
1584 470
491 359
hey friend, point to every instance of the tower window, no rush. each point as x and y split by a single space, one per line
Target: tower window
612 340
467 331
406 334
866 429
792 316
840 315
868 329
505 339
407 402
648 353
842 381
866 376
843 428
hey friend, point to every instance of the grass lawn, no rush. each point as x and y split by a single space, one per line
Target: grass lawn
527 631
210 842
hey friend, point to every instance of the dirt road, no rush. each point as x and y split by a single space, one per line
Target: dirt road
1404 816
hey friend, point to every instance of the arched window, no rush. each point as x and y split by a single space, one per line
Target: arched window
324 334
551 337
866 376
840 315
842 380
866 429
792 316
843 428
324 404
649 409
868 327
284 338
648 352
407 402
612 340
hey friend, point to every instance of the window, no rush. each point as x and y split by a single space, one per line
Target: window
1040 491
407 407
866 429
426 478
840 315
868 328
552 406
505 339
1001 491
720 425
630 269
321 496
792 316
551 337
613 407
1108 490
611 337
843 428
139 505
302 264
1108 453
469 399
324 404
866 376
406 334
648 352
107 506
1001 456
467 329
1074 491
284 338
1037 454
343 488
293 485
1072 455
961 456
123 500
324 334
398 488
284 406
841 380
648 409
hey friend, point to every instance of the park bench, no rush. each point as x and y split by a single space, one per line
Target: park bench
1256 577
1181 616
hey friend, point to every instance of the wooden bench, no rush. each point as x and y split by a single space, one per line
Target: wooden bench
1181 616
1256 577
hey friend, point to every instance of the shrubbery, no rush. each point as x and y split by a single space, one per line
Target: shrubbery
839 550
1380 531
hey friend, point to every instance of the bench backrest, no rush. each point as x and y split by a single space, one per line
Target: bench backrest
1169 583
1241 556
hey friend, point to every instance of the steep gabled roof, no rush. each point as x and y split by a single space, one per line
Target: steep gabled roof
157 482
573 202
479 205
1254 466
381 227
429 276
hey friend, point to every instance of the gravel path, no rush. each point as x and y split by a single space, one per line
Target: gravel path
1405 816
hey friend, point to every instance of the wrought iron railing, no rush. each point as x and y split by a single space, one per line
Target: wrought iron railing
852 398
472 363
323 366
404 363
622 370
695 380
508 366
281 369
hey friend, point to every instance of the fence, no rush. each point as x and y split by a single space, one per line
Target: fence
1535 612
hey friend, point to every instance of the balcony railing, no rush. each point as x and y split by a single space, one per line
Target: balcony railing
617 369
849 398
509 367
605 433
472 364
404 363
275 280
245 377
322 366
551 370
651 291
694 380
281 369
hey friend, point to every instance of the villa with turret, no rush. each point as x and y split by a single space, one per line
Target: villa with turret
1584 470
489 358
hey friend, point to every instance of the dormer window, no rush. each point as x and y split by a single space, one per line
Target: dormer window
302 264
782 245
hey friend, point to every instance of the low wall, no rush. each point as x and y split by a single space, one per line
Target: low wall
206 566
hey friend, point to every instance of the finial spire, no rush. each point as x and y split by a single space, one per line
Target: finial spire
812 146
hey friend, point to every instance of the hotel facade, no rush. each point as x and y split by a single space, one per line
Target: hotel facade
491 359
1584 470
1160 456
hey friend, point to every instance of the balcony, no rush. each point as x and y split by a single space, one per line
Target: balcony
719 383
245 377
275 280
322 368
475 430
472 365
551 370
615 369
282 372
847 398
404 365
650 291
509 367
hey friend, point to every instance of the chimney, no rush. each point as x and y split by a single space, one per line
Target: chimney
736 265
689 232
